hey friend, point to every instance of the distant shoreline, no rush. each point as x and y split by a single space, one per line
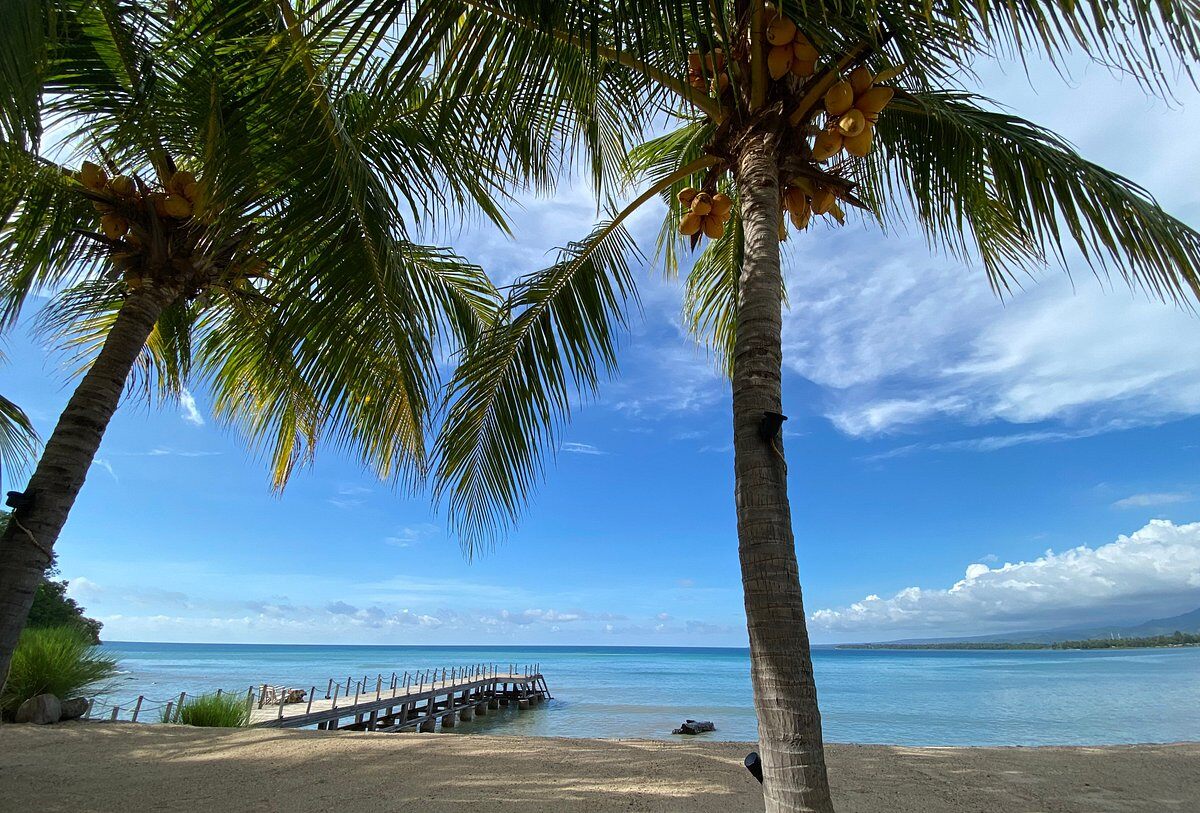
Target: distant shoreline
1179 640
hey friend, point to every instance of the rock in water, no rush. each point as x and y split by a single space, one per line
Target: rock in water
695 727
74 709
40 710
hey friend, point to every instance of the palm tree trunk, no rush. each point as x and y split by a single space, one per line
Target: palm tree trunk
785 697
27 542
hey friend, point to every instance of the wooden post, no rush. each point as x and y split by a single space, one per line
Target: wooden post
179 705
87 715
167 713
262 695
219 692
282 695
311 693
329 690
137 707
378 687
336 687
116 709
357 686
249 701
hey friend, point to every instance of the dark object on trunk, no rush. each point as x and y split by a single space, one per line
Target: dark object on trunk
769 426
754 765
694 727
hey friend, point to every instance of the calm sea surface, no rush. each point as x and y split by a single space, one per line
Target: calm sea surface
867 696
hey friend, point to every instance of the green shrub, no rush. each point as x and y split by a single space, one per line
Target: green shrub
61 661
215 710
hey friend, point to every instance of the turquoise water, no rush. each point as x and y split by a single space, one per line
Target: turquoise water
867 696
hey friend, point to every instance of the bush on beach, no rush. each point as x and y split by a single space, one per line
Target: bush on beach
211 710
61 661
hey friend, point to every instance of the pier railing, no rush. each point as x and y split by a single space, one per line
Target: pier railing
400 700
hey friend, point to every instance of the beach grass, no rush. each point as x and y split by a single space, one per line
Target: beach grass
61 661
212 710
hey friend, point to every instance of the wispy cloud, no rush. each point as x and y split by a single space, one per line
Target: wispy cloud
190 413
1153 499
104 464
411 535
349 496
581 448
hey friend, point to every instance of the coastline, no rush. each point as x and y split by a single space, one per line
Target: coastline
123 767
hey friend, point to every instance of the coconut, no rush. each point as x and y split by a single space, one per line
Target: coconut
794 199
779 61
852 123
92 176
114 226
722 81
861 80
122 185
800 219
180 180
781 31
722 204
804 68
713 227
874 100
689 224
695 61
823 201
827 145
803 48
839 98
702 203
177 206
687 195
860 144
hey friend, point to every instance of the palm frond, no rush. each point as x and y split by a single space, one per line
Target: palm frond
516 385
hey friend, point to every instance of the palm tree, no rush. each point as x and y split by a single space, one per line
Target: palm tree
244 221
809 110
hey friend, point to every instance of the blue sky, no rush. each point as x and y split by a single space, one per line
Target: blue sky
958 464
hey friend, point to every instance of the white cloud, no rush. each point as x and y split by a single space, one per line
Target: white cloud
411 535
107 466
1155 571
190 413
1151 500
581 448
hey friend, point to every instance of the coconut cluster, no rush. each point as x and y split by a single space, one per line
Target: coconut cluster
791 51
706 72
852 107
123 203
706 213
803 198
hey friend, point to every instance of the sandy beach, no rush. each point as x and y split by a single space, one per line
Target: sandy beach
125 767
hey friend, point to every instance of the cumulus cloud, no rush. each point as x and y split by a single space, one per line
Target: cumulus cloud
1154 571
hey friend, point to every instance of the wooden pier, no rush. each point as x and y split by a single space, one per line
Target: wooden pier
417 701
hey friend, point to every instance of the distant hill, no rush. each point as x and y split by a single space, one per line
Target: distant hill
1187 622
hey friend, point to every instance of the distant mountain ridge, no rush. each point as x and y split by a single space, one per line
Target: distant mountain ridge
1186 622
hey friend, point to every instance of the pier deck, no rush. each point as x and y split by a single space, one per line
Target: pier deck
417 701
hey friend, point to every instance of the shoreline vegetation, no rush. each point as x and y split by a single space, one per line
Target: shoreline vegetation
1176 640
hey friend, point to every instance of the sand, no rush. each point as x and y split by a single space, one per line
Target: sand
125 767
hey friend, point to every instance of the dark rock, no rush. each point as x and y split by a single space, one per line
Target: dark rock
74 709
695 727
40 710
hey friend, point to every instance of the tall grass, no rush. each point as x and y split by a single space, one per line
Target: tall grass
61 661
215 710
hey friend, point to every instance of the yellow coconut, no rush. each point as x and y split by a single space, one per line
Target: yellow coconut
800 219
827 145
713 227
861 80
781 31
794 199
702 204
179 180
190 191
690 224
177 206
721 81
839 98
823 201
92 176
803 48
874 100
722 204
122 185
804 68
852 123
779 61
860 144
114 226
687 195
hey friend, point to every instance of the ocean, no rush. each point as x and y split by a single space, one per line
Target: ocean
867 696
